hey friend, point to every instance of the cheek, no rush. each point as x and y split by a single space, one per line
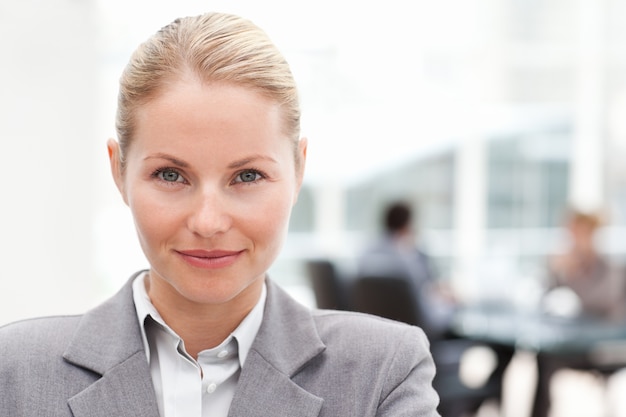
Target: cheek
272 220
153 220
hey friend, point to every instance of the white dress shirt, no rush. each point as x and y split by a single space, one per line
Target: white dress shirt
185 387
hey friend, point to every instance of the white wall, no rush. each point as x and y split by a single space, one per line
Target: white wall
47 108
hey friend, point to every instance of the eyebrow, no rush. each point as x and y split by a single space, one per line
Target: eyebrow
245 161
234 165
167 157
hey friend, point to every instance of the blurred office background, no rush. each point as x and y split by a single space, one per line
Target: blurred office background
493 116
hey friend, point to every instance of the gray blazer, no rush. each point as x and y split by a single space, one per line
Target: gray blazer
302 363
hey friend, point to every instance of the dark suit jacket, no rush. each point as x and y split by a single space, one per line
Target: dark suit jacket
302 363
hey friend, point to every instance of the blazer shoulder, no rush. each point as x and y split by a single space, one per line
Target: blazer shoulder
385 365
39 323
354 330
360 321
37 337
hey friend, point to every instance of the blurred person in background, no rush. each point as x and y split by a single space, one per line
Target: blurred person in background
596 281
398 253
582 282
210 161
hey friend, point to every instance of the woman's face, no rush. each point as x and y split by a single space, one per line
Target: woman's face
210 179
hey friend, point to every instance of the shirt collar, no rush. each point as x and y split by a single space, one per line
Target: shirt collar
244 333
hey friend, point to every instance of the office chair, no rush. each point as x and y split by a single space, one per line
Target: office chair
329 288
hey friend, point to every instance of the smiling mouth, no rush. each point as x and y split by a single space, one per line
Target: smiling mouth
210 259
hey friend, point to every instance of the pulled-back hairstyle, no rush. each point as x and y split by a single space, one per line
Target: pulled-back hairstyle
589 220
215 47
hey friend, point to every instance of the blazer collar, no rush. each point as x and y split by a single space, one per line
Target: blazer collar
286 342
108 343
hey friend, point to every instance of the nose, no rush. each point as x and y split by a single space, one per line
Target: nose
209 214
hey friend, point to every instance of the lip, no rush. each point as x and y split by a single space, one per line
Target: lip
209 259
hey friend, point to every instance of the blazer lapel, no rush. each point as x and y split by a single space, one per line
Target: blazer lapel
265 392
108 343
286 342
125 390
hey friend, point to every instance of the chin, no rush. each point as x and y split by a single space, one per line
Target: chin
219 292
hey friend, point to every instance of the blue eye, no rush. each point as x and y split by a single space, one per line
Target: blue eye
248 176
169 175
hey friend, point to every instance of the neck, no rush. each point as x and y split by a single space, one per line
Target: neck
204 326
404 238
584 249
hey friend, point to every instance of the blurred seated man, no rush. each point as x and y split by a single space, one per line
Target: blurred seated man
397 254
598 286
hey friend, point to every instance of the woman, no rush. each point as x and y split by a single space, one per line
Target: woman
588 273
210 162
598 285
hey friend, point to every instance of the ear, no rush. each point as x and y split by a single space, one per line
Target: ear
301 163
113 147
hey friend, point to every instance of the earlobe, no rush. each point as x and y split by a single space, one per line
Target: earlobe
113 149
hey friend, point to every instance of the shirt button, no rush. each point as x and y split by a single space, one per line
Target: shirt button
222 354
211 388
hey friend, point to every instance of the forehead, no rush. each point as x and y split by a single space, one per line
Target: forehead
220 114
197 103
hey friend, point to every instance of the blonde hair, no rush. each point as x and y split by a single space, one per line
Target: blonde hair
590 220
216 47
